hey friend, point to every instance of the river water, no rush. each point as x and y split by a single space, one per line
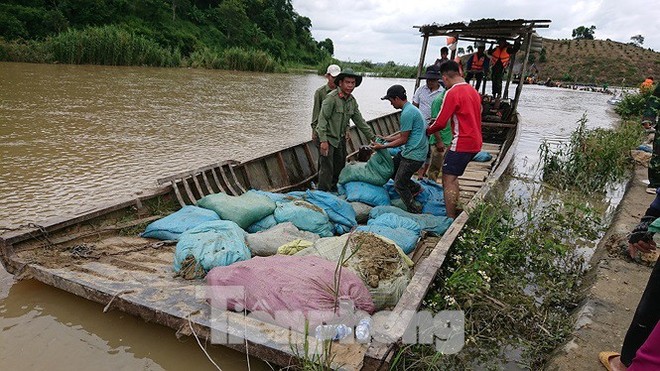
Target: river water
74 137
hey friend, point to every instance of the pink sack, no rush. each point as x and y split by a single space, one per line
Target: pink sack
287 290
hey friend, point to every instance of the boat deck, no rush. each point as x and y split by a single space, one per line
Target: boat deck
135 275
477 172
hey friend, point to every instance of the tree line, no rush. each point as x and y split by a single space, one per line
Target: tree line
186 28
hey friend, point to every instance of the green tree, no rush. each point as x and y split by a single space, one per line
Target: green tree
637 40
327 45
582 32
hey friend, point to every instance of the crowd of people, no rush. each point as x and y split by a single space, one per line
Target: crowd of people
440 129
440 133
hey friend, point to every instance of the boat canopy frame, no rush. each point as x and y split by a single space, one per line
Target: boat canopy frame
485 30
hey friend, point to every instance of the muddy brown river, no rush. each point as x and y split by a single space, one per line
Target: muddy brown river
74 137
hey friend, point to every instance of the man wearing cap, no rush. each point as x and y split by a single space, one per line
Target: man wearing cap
422 99
411 158
337 109
320 94
461 105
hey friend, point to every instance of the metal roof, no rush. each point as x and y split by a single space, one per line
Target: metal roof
484 29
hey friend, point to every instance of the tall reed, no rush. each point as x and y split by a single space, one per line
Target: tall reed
592 158
109 45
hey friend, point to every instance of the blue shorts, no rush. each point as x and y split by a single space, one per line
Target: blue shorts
456 162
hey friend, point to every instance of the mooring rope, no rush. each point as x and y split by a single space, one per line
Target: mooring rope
200 343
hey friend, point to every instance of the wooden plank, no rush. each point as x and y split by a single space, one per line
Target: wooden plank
217 180
177 193
227 182
310 158
198 186
233 174
206 181
186 187
282 167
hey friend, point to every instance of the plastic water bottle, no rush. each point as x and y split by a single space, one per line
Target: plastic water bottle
334 332
363 330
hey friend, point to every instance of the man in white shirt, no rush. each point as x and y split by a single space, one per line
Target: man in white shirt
423 98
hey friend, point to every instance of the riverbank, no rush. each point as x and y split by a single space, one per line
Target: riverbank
612 288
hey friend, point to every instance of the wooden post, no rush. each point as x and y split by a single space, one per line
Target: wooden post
524 68
422 57
505 93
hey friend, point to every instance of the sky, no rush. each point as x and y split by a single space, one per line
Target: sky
382 30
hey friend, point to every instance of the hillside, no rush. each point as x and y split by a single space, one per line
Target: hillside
597 62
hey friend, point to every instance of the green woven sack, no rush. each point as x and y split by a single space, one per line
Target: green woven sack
377 171
244 210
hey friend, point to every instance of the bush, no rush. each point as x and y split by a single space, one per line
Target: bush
592 159
632 105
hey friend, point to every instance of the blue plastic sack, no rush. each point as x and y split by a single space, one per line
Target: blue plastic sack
404 238
366 193
305 216
212 244
397 221
394 151
435 225
339 211
275 197
432 197
262 225
482 156
171 226
645 148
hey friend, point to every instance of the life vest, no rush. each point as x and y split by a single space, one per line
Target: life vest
478 63
502 55
647 83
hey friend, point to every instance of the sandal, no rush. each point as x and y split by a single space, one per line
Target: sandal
605 358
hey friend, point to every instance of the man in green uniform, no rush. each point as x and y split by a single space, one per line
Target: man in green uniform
337 109
439 141
320 94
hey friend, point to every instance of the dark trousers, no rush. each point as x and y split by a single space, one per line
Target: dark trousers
403 184
645 319
331 165
654 164
497 75
477 76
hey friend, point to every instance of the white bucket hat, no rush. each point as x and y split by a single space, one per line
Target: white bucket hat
333 70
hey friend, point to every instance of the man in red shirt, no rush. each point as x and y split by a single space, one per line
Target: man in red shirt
462 104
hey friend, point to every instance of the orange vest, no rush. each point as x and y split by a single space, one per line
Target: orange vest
500 54
477 63
647 83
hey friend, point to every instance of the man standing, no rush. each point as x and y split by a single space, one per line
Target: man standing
320 94
337 109
499 60
462 104
422 99
413 134
477 66
444 52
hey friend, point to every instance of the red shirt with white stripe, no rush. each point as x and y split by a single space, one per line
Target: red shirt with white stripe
462 104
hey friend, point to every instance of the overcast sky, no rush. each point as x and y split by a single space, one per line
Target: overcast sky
381 30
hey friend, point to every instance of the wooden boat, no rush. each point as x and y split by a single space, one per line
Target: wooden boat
97 255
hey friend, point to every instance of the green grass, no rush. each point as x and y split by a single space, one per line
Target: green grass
592 159
515 272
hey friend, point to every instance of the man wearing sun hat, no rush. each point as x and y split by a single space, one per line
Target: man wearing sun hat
320 94
423 99
338 108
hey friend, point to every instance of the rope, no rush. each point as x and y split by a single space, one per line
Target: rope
200 344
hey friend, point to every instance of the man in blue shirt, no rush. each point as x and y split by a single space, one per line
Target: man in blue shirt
412 135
